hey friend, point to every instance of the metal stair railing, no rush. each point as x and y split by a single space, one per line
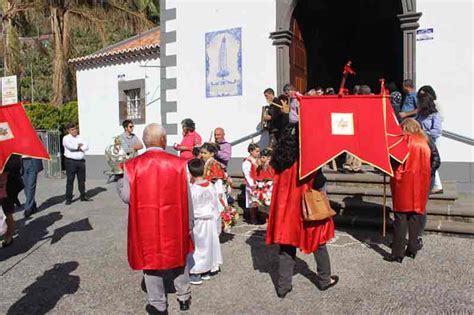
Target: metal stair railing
458 137
248 137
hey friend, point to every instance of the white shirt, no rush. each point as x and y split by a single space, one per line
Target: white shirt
71 145
205 202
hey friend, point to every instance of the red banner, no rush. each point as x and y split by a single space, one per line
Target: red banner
17 135
356 124
397 144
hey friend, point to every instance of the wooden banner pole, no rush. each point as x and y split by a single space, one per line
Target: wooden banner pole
384 208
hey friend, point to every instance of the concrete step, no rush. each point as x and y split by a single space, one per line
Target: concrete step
434 207
456 213
358 200
448 195
431 224
368 184
368 177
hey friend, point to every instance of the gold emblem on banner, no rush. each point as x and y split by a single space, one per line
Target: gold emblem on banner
5 131
342 124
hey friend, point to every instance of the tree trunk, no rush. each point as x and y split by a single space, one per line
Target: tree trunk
12 42
61 35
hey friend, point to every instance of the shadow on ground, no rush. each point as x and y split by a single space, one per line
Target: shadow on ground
53 201
371 238
363 213
265 259
226 237
30 234
78 226
41 296
37 230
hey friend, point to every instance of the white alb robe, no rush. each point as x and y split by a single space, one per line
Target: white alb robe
250 182
207 254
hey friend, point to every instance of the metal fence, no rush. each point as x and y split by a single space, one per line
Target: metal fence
52 142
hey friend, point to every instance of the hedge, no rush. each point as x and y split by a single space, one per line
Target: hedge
46 116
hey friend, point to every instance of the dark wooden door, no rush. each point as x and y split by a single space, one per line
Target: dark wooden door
298 63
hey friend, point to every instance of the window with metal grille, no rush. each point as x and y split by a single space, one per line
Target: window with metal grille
132 101
133 104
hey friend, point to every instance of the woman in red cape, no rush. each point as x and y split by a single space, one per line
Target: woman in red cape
410 188
285 224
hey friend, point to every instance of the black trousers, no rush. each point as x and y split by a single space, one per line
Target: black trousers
30 176
287 262
73 168
411 221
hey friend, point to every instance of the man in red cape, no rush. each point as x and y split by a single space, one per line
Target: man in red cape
160 219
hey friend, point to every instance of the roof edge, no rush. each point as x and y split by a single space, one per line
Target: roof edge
127 40
118 55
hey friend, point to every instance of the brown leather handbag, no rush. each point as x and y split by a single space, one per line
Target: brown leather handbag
316 206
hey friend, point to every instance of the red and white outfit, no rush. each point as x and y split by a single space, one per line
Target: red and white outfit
265 175
214 173
249 168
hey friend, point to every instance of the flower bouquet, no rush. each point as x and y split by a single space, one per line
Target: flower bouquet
229 218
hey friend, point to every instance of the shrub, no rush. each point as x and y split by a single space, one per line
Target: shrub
46 116
69 113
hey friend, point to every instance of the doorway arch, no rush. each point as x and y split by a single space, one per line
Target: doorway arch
283 35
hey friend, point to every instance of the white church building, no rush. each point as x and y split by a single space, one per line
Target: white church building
218 56
213 59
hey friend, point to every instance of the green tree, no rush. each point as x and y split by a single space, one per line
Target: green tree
88 15
11 62
35 81
76 28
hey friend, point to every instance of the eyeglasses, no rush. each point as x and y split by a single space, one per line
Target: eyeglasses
131 126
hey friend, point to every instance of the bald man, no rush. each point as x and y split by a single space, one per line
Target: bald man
225 148
160 219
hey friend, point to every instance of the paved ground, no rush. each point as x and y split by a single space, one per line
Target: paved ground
72 260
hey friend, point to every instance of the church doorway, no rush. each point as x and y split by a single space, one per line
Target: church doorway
298 58
367 32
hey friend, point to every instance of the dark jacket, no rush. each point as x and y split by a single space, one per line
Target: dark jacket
435 157
279 119
319 180
14 184
14 181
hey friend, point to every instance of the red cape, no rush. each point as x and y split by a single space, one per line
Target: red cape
285 224
411 183
158 221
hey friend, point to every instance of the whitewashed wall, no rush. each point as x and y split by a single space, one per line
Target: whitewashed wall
239 115
446 63
98 97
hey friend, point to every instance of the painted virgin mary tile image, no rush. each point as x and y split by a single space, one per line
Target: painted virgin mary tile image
224 63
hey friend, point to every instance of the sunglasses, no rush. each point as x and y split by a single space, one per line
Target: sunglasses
131 126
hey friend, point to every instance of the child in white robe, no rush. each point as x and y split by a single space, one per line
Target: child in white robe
207 256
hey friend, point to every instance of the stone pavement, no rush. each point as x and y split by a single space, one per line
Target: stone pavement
72 260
